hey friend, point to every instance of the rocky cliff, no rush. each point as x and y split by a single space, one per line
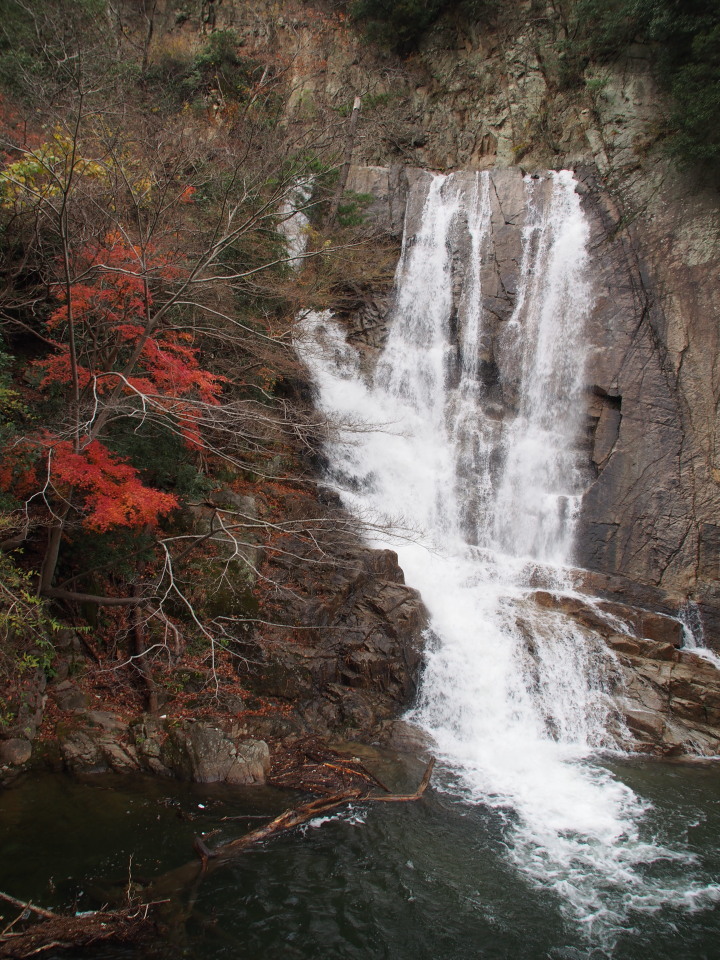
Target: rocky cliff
667 697
497 97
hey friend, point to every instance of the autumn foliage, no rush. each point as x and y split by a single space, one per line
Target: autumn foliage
116 345
111 307
113 493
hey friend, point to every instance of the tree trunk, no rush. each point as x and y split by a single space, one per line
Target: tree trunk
345 169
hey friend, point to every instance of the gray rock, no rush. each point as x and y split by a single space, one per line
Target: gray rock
15 751
206 754
82 752
108 721
70 698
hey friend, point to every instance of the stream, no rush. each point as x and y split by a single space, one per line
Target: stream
425 881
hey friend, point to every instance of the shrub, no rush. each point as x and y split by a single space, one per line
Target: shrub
687 58
401 24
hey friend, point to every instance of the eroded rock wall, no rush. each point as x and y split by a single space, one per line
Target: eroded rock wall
481 95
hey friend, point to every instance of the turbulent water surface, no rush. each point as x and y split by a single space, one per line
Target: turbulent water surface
480 505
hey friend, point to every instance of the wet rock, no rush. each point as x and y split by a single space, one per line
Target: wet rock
204 753
669 698
407 738
15 751
148 737
683 698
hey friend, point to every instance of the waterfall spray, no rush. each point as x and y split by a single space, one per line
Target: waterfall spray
513 695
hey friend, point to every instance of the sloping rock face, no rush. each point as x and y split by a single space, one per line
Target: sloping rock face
651 494
355 665
668 698
648 515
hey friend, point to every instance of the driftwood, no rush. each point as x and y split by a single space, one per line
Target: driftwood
188 877
169 900
55 931
309 765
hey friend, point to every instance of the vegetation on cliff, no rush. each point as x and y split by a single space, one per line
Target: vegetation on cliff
148 442
685 38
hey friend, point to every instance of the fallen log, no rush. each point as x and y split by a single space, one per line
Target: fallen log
170 886
168 900
308 811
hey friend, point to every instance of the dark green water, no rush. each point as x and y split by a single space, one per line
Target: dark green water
424 881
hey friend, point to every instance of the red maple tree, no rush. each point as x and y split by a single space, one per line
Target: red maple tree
104 338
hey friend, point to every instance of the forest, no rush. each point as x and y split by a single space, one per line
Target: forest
152 417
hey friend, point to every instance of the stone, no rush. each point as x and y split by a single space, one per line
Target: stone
646 723
121 758
108 721
15 751
202 753
70 698
82 753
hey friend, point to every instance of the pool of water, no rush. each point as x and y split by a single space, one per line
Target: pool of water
433 879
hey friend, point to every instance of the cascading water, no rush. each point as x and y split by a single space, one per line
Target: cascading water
480 503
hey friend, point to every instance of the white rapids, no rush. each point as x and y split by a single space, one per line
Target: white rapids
478 506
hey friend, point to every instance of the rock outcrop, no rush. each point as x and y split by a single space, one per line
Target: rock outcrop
668 698
350 661
198 751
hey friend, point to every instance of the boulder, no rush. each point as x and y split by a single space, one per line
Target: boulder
16 751
204 753
355 662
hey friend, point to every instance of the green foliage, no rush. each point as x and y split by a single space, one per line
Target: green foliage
47 47
695 86
687 58
12 408
161 457
216 67
369 102
351 209
25 626
401 24
114 556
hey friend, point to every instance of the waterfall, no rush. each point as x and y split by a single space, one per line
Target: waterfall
461 450
294 222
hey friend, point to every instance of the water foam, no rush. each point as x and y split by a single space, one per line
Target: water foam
514 695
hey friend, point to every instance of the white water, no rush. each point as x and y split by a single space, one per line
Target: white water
294 222
478 506
694 635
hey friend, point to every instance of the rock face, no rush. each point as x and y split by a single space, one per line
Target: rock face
668 698
496 94
204 753
198 751
650 494
356 664
640 541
